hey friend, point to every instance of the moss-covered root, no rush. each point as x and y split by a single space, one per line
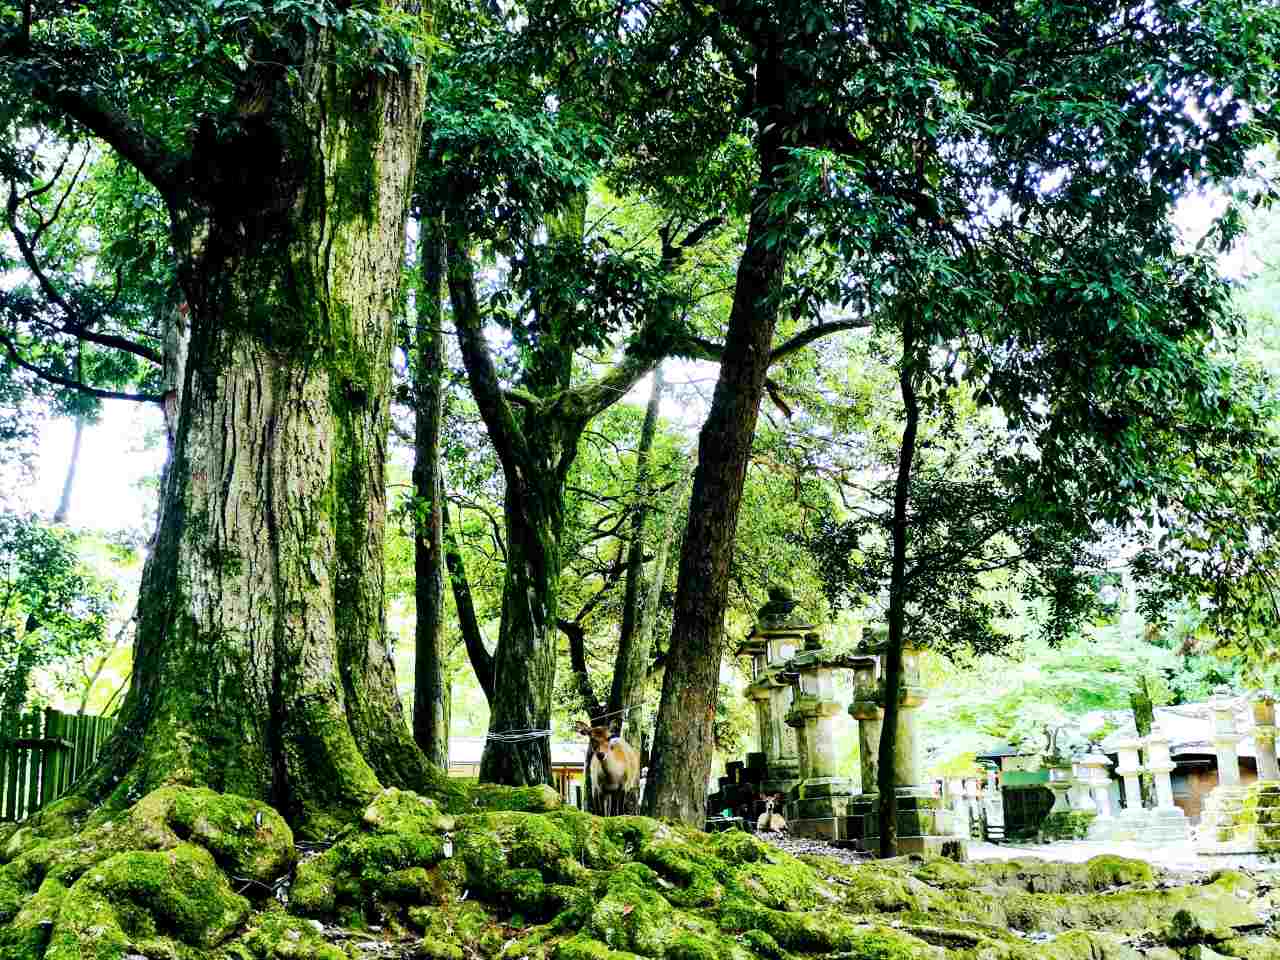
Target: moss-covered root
398 856
58 879
174 903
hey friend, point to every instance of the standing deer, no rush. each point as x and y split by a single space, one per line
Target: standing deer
614 767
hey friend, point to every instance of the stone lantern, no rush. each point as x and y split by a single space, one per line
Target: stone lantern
1264 734
1167 822
776 637
1226 739
821 795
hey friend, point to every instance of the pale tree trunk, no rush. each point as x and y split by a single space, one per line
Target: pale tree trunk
430 684
68 484
261 665
631 666
683 737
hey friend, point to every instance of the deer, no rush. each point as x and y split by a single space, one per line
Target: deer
769 820
614 767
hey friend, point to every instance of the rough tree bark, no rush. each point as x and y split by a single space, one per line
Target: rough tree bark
261 665
430 682
631 667
477 653
683 739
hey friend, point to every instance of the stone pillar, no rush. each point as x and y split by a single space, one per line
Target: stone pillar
1226 739
859 826
973 801
1168 824
821 796
1094 767
776 637
1160 767
1264 735
958 806
1128 769
867 710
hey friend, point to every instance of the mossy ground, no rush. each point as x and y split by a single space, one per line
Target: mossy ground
507 875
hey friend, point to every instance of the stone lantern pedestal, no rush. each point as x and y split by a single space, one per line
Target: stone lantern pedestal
924 825
1225 825
1167 823
820 797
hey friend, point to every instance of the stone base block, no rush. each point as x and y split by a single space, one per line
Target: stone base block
819 799
818 828
1165 826
1071 825
1241 820
921 817
953 848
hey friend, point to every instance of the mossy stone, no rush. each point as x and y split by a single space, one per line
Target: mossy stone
274 935
489 797
170 898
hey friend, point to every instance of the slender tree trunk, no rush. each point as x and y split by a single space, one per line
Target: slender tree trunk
261 665
430 686
634 730
897 598
64 502
632 663
479 655
683 739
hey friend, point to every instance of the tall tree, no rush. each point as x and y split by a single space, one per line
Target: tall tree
631 666
281 140
430 681
996 178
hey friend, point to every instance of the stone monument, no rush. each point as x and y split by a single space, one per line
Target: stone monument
820 796
778 634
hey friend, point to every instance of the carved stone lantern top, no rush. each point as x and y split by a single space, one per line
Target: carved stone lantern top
779 612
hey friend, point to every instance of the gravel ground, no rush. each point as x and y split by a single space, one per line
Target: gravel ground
1181 859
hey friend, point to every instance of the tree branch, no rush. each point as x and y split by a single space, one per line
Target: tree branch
73 385
490 398
80 102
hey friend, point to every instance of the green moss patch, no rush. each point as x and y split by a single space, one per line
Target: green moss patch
147 903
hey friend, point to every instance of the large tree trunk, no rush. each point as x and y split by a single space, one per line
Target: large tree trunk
631 666
683 739
430 684
261 665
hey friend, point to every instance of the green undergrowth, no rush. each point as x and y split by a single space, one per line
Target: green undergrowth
495 874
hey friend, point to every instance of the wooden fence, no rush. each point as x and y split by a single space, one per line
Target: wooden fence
42 755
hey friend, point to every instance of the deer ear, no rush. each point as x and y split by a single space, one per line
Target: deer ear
582 728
